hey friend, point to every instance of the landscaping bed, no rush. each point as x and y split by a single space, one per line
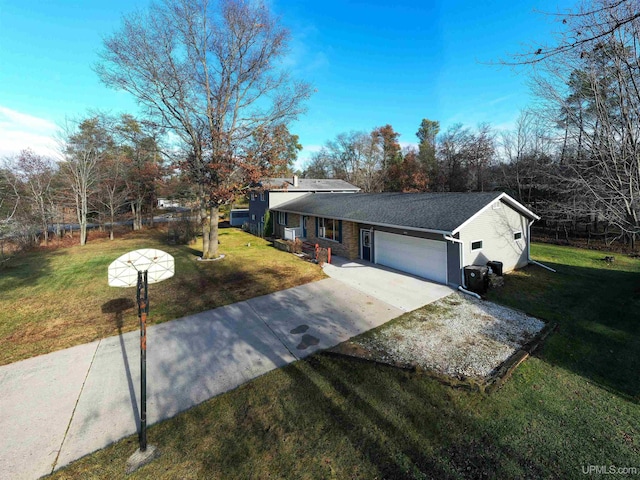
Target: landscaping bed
457 336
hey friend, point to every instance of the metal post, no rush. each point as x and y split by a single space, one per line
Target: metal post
143 309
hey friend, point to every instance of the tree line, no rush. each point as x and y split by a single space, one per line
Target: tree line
109 166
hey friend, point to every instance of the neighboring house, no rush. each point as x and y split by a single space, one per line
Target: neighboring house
166 203
272 192
430 235
238 216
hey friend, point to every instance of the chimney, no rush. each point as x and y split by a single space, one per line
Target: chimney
295 180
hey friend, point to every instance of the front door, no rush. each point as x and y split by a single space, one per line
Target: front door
304 227
365 244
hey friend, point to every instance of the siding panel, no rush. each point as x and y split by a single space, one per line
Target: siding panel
495 227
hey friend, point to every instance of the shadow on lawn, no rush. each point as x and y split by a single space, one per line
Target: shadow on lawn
597 311
25 269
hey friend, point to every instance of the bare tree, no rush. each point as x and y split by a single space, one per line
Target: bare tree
453 156
9 203
113 191
590 22
210 72
526 152
356 157
594 91
84 146
481 153
32 175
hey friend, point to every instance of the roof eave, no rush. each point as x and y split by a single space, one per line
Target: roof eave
353 220
503 196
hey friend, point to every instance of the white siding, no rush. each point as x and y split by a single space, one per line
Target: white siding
278 198
496 227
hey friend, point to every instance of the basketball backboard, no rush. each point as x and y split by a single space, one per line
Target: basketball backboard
123 272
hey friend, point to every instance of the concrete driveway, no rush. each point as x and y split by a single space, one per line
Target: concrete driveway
401 290
59 407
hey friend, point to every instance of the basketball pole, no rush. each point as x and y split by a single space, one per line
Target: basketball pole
143 310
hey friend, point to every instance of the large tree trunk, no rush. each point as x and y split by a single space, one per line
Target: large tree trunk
136 210
209 217
82 219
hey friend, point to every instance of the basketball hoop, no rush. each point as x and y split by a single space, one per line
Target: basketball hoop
138 269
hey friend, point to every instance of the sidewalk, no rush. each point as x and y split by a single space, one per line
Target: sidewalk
58 407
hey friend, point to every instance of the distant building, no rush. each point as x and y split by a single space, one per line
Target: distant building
167 203
271 192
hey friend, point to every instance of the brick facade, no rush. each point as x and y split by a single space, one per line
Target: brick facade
348 248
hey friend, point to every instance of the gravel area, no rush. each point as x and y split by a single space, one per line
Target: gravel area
457 336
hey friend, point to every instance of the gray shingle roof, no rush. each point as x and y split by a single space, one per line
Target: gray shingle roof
308 184
428 211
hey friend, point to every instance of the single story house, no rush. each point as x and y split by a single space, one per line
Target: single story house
430 235
271 192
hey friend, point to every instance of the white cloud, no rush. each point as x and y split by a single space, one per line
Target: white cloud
404 145
19 131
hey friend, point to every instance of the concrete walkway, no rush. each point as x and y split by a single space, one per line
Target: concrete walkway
59 407
399 289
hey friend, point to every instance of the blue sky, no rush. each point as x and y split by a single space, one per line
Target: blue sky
371 62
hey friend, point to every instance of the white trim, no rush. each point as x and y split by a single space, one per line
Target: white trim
476 241
503 196
529 240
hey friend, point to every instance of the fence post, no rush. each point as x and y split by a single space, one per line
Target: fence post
317 249
329 255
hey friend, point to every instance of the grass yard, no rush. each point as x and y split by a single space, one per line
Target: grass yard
574 404
53 299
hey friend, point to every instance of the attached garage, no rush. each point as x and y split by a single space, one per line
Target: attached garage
430 235
418 256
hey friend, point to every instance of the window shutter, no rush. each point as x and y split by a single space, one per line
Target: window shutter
317 226
340 231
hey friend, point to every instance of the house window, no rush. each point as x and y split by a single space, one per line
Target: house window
253 216
477 245
517 235
262 218
253 197
262 196
497 205
329 228
282 218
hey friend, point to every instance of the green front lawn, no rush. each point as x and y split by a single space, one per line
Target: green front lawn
53 299
573 405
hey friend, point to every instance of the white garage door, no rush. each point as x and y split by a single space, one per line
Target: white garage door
418 256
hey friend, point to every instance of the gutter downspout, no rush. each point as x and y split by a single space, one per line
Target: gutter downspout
529 249
468 292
